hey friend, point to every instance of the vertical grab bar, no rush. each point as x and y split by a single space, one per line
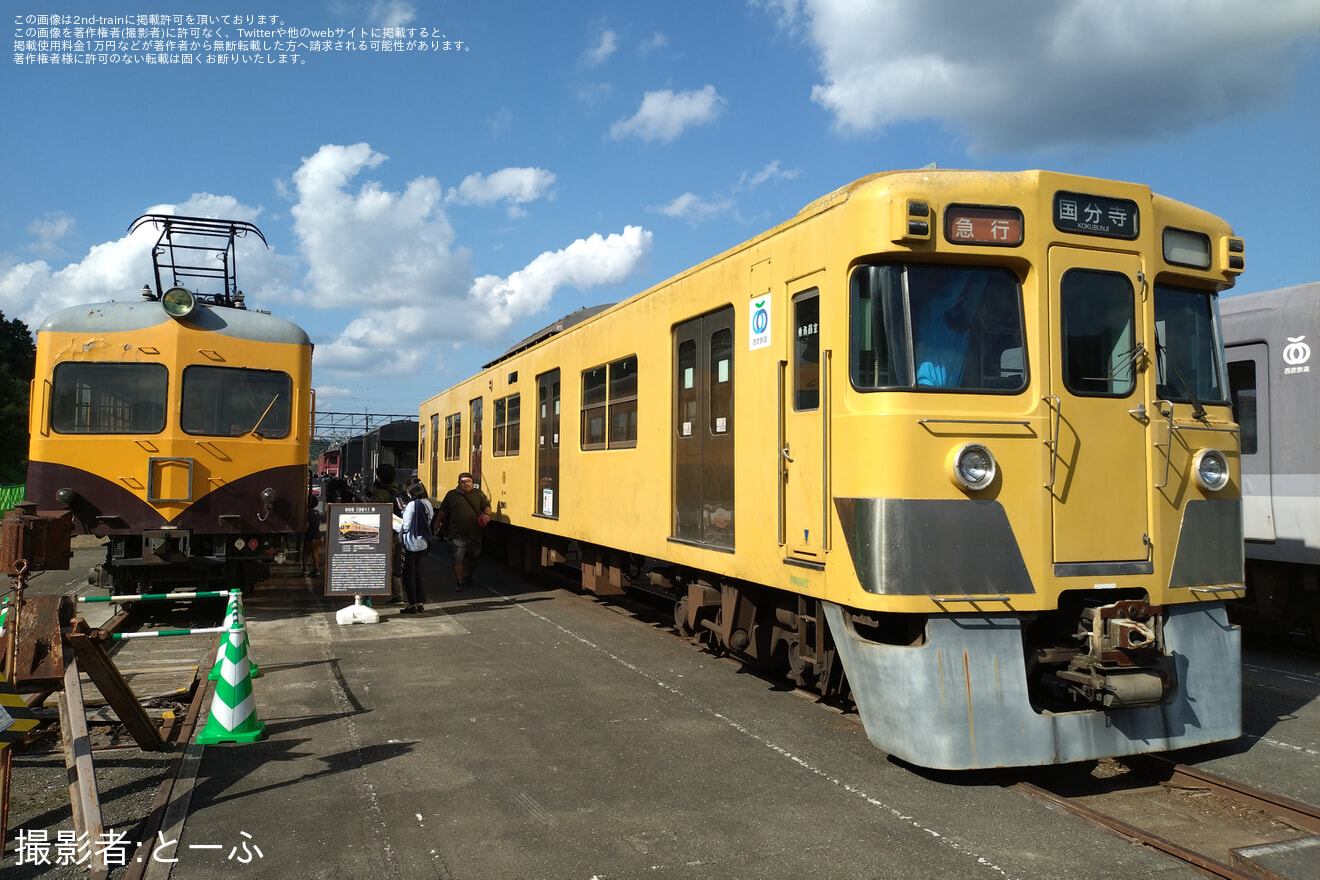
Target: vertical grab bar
1053 442
826 357
780 455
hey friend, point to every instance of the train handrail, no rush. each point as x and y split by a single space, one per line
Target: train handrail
1024 423
1168 447
1053 442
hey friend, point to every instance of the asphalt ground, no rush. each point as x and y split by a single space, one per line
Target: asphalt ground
522 731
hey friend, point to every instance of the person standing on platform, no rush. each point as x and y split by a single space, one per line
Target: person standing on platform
464 511
416 538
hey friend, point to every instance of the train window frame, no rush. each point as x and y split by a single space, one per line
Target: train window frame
892 305
1244 392
453 436
281 406
508 414
806 343
1169 347
609 405
63 372
1072 296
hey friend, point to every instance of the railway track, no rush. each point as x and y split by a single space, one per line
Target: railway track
1217 826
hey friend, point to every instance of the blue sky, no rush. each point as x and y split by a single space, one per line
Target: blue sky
426 209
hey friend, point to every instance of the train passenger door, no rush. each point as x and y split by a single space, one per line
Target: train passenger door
803 454
704 430
435 453
1248 382
1099 473
547 444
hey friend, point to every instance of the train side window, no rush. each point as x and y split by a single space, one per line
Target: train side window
1242 386
623 403
513 426
593 407
233 401
108 398
1099 348
687 388
453 436
806 351
497 438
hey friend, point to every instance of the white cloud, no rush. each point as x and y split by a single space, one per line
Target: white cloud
1031 75
771 171
665 114
694 208
656 41
514 185
48 232
600 53
391 13
495 303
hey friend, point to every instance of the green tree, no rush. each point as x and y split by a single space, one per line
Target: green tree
18 362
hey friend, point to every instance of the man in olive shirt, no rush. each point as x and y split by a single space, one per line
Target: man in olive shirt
464 512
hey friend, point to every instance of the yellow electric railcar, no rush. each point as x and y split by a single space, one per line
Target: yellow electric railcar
958 443
176 426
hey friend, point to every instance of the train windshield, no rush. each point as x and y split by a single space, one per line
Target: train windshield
933 328
108 398
1190 350
232 402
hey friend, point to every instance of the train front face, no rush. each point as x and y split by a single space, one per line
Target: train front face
184 441
1058 497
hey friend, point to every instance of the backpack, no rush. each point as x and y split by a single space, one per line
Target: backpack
421 524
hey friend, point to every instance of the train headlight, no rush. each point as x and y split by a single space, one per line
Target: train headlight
1210 467
971 466
178 302
65 498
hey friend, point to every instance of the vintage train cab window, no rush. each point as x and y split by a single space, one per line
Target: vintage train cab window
233 402
1099 339
1188 345
108 398
936 328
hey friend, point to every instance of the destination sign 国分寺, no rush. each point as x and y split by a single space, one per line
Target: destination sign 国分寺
1095 215
976 224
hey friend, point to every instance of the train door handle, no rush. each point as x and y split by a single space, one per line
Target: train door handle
788 458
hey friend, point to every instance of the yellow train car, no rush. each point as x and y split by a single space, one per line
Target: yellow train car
957 443
177 426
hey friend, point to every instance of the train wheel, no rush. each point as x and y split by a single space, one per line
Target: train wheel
681 617
800 671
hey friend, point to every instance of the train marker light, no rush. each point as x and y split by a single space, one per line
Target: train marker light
971 466
65 497
178 302
1210 467
1185 248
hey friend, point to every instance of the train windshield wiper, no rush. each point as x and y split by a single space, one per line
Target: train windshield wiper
263 415
1198 411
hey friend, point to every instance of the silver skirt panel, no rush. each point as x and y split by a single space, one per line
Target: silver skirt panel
903 547
959 701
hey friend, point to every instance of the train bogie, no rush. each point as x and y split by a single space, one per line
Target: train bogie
940 431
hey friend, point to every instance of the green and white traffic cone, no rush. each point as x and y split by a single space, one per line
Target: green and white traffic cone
233 715
234 613
231 614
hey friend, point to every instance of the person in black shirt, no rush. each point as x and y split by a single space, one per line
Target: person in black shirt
464 511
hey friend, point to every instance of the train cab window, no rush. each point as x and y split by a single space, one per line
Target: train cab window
233 402
1188 347
1242 387
1099 349
806 352
108 398
933 328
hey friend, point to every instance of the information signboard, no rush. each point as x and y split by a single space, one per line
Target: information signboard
359 554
